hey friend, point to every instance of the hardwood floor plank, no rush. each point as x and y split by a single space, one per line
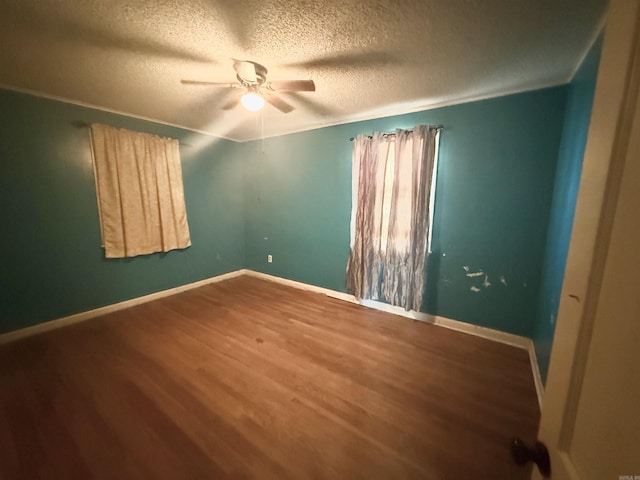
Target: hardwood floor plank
250 379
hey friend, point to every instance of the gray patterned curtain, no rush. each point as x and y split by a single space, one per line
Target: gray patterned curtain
368 173
391 215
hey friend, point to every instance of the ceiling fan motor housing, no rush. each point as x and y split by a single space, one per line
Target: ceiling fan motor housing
261 75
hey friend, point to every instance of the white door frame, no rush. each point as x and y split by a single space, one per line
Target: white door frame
609 132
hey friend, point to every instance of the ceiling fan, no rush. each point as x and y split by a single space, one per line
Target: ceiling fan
252 77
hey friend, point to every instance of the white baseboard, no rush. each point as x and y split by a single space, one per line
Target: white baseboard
535 368
484 332
82 316
303 286
502 337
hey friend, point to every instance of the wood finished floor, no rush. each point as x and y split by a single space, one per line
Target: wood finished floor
251 379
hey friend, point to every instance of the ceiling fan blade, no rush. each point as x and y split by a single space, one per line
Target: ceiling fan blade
293 85
246 70
279 103
200 82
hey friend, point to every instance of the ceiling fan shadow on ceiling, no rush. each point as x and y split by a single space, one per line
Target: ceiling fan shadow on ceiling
252 77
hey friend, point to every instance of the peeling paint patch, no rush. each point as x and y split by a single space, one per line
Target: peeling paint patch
466 268
486 283
474 289
475 274
503 280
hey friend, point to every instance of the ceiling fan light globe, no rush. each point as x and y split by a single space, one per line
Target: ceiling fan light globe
252 101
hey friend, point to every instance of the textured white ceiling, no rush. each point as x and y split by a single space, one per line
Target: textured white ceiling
367 58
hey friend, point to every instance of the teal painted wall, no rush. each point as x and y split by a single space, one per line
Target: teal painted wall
565 194
288 196
52 263
495 184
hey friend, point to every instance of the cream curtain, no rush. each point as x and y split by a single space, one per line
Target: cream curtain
140 193
393 197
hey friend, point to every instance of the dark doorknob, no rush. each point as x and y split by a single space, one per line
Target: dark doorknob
538 454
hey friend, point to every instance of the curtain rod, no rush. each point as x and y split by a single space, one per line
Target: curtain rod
81 124
393 134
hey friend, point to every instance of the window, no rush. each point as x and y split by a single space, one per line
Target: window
392 214
140 193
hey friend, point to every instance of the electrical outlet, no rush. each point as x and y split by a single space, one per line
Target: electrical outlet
269 258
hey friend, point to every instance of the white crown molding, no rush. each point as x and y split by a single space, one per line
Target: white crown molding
390 112
422 107
599 29
56 98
